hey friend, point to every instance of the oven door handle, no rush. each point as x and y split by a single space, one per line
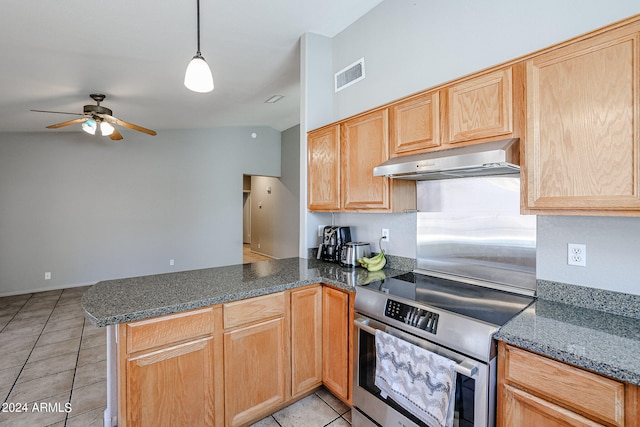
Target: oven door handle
466 367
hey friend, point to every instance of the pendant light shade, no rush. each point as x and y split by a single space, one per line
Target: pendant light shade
198 76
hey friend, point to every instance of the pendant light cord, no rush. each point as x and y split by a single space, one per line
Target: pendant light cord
198 14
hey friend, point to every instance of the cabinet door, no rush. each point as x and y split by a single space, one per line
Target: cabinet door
481 107
336 359
415 124
255 368
365 145
323 180
526 410
172 386
583 147
306 339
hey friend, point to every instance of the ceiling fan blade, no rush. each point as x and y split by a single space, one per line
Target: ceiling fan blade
67 123
115 135
135 127
57 112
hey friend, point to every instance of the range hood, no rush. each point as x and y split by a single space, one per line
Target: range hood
489 158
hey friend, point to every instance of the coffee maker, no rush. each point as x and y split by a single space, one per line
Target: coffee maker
333 237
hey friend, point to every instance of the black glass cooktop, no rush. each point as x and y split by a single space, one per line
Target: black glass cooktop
489 305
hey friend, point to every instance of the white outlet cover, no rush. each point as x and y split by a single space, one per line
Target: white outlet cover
577 254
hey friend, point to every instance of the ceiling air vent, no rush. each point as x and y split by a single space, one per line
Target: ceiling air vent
350 75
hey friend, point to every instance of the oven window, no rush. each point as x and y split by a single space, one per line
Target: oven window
465 386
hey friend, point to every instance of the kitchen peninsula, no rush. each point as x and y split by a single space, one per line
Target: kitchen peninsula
226 345
222 315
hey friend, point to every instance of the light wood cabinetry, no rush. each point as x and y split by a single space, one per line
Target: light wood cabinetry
415 124
337 346
480 107
306 340
256 358
583 141
170 370
537 391
341 158
232 364
365 145
323 159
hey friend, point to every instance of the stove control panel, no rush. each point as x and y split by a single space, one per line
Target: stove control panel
412 316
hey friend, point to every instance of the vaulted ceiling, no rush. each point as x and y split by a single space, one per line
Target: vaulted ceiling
53 54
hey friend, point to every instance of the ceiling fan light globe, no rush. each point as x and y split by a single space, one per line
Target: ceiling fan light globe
198 77
106 129
90 127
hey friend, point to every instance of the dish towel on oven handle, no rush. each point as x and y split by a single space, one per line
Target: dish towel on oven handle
420 381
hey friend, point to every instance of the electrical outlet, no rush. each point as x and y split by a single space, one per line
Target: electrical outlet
171 262
47 275
577 254
385 234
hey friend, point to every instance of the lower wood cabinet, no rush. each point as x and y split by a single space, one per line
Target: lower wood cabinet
255 371
306 340
535 391
337 323
170 370
232 364
256 357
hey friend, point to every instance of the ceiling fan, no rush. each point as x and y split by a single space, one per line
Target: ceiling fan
97 117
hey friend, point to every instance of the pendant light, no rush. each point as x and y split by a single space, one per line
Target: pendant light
198 76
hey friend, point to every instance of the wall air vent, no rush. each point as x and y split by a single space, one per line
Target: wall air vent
349 75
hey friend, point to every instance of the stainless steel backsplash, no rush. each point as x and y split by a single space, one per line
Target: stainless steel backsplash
472 227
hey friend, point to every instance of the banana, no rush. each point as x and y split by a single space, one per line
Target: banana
377 266
364 261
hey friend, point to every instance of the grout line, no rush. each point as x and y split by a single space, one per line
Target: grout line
34 344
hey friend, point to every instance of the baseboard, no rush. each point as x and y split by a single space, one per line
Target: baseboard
32 291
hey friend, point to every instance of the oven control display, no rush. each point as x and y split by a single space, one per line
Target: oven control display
412 316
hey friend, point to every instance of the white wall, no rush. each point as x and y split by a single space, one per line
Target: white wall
87 208
412 45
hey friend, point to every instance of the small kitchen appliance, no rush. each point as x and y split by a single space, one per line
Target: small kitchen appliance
333 237
351 251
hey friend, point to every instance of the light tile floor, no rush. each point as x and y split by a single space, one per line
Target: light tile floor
52 358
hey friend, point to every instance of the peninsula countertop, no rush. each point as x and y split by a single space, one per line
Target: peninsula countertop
124 300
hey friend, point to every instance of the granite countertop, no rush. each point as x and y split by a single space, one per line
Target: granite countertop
601 342
118 301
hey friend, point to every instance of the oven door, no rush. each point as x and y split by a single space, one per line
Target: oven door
474 405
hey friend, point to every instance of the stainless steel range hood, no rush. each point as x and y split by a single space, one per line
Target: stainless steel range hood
489 158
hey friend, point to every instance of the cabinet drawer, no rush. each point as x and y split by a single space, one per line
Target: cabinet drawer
251 310
597 397
169 329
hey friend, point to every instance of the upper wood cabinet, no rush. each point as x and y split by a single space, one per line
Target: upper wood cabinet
480 107
341 158
323 157
582 150
365 145
415 124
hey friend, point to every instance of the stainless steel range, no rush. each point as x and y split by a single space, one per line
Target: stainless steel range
453 319
476 270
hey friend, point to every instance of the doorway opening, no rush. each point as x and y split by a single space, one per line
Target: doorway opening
248 254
